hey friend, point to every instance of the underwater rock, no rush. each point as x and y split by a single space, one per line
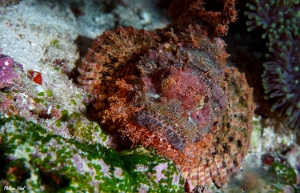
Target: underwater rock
7 72
33 158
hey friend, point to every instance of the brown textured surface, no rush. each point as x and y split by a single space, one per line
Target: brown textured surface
8 2
185 12
171 90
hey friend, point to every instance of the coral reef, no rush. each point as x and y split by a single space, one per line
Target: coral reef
281 75
257 176
272 162
23 95
37 161
63 150
170 89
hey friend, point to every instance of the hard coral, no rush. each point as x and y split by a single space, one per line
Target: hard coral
171 90
281 75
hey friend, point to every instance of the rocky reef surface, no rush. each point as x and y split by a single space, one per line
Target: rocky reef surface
49 141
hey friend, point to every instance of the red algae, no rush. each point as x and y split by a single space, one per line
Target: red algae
171 90
36 77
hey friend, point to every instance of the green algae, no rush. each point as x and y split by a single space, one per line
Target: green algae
38 100
286 175
41 94
73 102
281 176
278 178
79 96
45 162
49 93
55 43
78 126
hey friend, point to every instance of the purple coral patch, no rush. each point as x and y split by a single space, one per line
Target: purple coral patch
7 73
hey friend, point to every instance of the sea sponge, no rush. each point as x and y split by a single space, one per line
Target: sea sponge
172 91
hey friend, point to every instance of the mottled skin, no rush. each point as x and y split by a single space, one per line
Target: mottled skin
171 90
